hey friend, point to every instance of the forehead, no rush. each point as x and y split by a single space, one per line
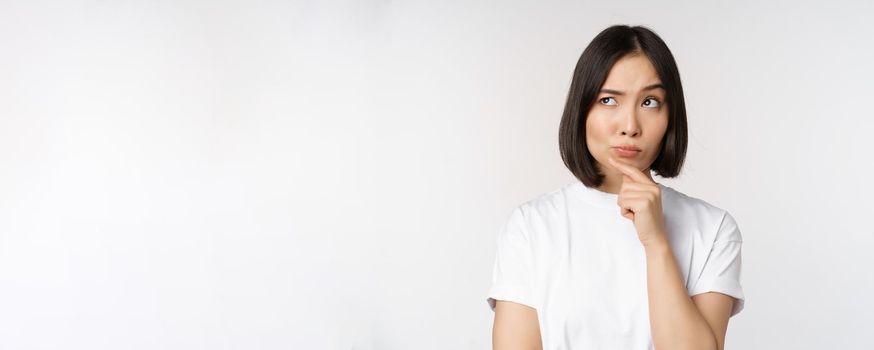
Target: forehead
631 73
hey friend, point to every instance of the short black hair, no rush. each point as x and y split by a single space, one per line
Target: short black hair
591 71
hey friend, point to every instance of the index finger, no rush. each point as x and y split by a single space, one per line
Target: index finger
632 172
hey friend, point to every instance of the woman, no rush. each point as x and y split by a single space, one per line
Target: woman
616 260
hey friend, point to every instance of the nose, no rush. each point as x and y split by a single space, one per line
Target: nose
631 127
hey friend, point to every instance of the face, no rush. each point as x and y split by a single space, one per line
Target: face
630 110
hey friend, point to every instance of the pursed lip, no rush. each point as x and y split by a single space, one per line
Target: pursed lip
628 148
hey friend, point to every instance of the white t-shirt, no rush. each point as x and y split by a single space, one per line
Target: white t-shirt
570 255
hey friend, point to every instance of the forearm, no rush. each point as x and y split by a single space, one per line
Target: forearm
675 321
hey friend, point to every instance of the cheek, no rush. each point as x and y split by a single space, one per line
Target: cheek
662 126
596 127
658 130
659 127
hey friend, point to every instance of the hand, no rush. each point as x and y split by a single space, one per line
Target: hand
640 200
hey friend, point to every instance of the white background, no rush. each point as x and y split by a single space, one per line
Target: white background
318 175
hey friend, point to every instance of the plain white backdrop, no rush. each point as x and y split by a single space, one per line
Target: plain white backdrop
332 175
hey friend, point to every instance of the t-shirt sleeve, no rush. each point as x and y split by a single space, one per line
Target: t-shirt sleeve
722 269
512 276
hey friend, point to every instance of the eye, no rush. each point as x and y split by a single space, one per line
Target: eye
657 103
607 98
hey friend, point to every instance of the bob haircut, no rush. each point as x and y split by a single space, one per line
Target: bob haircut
591 71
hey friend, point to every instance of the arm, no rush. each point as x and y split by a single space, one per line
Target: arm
516 327
716 309
676 321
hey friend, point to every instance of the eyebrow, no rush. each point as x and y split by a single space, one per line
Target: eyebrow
650 87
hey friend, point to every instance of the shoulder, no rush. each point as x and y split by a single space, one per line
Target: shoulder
535 216
545 205
692 210
676 200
